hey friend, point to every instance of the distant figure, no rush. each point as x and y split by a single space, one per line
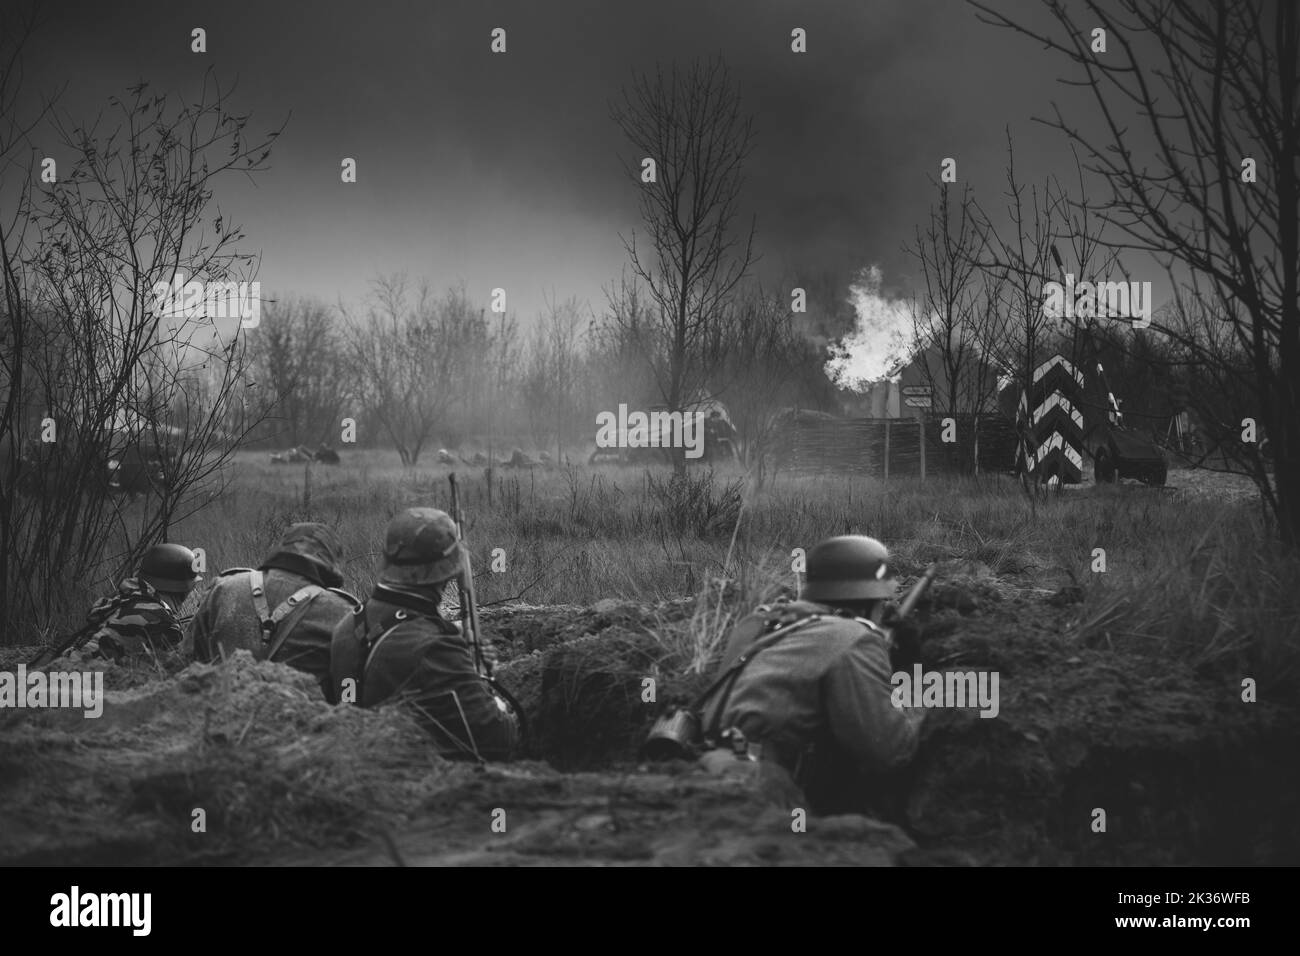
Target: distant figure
285 610
478 459
140 468
327 455
399 647
280 458
139 622
445 457
519 460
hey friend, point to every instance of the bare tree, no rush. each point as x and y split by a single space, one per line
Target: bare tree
690 125
417 361
1217 85
554 369
95 367
768 365
299 364
958 311
491 377
1020 257
1018 261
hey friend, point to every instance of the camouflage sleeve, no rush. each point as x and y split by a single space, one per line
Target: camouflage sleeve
861 713
137 630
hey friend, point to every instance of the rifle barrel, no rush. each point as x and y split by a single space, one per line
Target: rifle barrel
917 592
468 604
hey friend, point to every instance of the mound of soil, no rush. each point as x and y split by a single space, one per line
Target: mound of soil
1184 770
280 776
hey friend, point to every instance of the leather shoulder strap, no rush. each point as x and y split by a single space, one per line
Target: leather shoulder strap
350 598
732 673
369 638
384 628
285 617
257 584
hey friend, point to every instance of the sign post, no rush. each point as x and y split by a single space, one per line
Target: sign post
1055 422
918 396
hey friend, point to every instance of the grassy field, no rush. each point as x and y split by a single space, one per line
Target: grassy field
1187 572
1121 688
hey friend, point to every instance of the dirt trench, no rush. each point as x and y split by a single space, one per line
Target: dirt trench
1098 756
1185 772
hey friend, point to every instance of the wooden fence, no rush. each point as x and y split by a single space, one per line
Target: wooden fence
896 447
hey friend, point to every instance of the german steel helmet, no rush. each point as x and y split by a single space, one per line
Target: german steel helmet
314 541
421 548
170 568
851 567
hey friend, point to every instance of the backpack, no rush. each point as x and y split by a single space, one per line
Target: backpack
278 624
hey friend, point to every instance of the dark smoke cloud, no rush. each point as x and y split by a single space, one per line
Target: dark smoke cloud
502 171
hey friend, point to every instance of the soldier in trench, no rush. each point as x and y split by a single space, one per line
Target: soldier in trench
398 647
814 701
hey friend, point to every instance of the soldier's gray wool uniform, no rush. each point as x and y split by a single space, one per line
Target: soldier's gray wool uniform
400 648
818 700
300 595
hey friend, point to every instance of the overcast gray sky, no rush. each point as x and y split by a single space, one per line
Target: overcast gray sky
502 170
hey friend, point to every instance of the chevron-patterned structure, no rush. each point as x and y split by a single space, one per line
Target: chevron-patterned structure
1053 422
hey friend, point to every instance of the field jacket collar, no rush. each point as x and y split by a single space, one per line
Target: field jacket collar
303 567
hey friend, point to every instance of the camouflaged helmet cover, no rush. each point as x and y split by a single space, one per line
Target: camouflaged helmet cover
421 547
852 567
314 541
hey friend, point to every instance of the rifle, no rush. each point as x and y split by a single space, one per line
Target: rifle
469 611
905 609
465 586
51 653
917 592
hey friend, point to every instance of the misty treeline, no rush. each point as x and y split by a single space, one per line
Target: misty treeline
415 370
683 325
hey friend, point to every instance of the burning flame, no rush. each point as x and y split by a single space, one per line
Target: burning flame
882 339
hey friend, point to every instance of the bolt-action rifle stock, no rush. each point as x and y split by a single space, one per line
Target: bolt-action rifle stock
469 611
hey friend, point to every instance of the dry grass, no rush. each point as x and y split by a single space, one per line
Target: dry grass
1186 572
